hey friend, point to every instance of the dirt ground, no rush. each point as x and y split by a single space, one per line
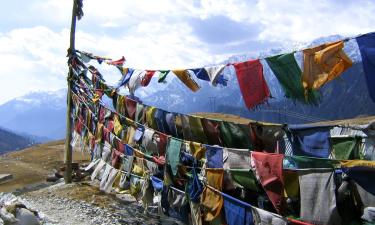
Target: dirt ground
83 203
34 164
84 191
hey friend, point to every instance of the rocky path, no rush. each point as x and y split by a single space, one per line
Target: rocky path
84 204
59 210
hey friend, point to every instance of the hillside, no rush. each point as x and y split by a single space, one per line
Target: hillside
32 165
75 203
10 141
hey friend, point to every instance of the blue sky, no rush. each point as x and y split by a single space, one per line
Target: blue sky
157 34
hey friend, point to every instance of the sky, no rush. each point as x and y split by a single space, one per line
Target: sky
159 34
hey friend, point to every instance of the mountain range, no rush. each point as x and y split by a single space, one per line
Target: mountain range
42 114
37 115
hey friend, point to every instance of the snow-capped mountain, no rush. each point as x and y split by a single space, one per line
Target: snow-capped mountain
344 97
40 114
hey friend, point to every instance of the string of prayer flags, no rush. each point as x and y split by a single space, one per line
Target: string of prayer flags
321 64
246 169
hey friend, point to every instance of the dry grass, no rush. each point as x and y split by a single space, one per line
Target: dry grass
241 120
225 117
34 164
354 121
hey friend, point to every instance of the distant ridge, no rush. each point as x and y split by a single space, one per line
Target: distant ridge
10 141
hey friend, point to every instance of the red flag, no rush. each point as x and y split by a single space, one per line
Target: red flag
117 62
269 169
131 107
162 143
120 146
252 84
147 78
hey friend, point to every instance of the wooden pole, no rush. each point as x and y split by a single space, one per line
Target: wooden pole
68 137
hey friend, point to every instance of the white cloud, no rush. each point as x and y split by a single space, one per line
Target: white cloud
305 20
241 11
32 59
156 34
35 57
281 20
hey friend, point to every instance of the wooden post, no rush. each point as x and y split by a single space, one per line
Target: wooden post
68 137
